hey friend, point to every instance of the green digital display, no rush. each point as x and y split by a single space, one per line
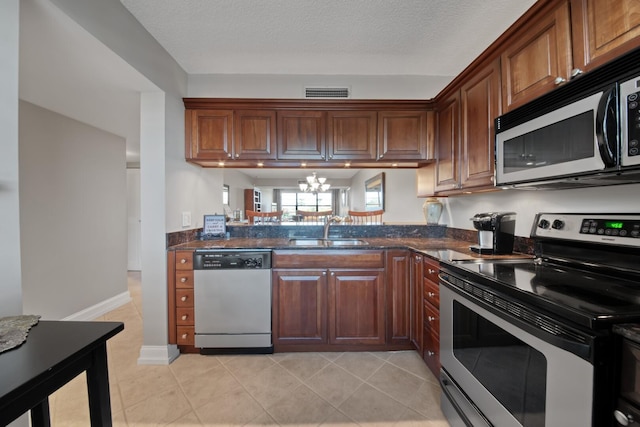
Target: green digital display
613 224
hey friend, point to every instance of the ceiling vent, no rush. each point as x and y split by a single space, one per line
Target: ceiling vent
326 92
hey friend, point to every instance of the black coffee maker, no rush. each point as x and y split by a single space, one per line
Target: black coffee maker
495 232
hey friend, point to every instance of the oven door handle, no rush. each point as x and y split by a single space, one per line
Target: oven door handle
469 414
580 348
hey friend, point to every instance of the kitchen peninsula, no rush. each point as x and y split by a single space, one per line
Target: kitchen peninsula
380 293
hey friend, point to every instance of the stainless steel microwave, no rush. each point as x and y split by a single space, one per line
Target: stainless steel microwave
583 134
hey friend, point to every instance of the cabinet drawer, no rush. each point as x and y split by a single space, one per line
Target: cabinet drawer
431 353
184 279
184 297
184 260
431 292
184 316
431 319
185 335
431 269
311 258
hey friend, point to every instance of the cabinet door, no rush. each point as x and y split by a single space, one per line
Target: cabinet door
447 144
480 104
209 134
402 135
603 30
255 134
536 57
299 307
356 307
398 297
352 135
416 302
302 135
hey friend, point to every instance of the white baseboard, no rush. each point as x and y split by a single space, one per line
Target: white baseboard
97 310
158 354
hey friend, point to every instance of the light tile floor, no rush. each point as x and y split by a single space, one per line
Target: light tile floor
286 389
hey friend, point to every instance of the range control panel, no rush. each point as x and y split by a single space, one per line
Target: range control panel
616 229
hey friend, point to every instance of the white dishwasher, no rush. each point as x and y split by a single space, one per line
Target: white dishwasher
232 301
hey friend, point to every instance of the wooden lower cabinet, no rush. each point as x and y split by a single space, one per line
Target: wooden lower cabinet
416 322
351 303
180 298
299 310
356 307
398 296
431 313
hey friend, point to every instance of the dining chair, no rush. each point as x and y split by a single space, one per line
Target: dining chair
314 217
366 217
264 217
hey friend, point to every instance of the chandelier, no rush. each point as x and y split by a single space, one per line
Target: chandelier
314 184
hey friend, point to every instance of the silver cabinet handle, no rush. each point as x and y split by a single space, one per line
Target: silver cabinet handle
430 353
431 318
184 298
183 261
419 258
185 336
324 273
431 271
559 80
431 294
229 155
183 280
576 72
185 316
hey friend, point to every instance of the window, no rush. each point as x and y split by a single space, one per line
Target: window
294 200
225 195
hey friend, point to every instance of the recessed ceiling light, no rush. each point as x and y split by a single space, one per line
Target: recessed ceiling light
260 164
303 164
221 164
346 165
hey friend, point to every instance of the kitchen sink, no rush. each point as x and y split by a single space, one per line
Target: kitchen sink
326 242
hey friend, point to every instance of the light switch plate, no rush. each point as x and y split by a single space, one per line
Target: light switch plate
186 219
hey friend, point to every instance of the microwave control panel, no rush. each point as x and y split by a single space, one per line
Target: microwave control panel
618 229
630 121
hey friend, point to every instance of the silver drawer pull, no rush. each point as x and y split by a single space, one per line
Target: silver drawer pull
183 280
431 318
184 298
431 271
430 353
183 261
185 336
431 294
185 316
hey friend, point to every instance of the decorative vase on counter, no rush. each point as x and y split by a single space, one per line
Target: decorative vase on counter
432 209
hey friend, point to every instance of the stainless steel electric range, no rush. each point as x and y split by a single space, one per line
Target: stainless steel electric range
529 342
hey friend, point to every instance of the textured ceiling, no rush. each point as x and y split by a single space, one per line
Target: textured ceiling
348 37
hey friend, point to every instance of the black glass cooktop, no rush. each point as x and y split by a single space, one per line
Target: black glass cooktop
588 298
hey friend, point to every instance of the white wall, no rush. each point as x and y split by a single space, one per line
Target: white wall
401 204
10 285
134 217
526 203
73 218
292 86
237 182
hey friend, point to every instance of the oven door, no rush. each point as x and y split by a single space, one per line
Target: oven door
514 374
577 139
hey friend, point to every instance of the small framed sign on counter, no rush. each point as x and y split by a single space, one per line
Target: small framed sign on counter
214 226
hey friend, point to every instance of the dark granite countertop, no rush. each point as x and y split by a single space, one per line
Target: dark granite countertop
440 248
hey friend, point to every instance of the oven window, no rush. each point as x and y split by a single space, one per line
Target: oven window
511 370
562 142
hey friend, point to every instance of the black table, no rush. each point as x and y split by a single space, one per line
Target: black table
56 352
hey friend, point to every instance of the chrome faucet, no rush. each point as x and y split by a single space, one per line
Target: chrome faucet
327 224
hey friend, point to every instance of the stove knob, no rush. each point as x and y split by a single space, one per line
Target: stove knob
558 224
621 418
543 224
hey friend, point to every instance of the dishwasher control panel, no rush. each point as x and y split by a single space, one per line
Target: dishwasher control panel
231 259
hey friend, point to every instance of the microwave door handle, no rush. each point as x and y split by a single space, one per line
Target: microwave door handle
606 117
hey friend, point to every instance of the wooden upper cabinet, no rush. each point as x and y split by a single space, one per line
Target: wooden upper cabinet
254 134
537 58
448 136
603 30
210 134
301 135
480 104
351 135
402 135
